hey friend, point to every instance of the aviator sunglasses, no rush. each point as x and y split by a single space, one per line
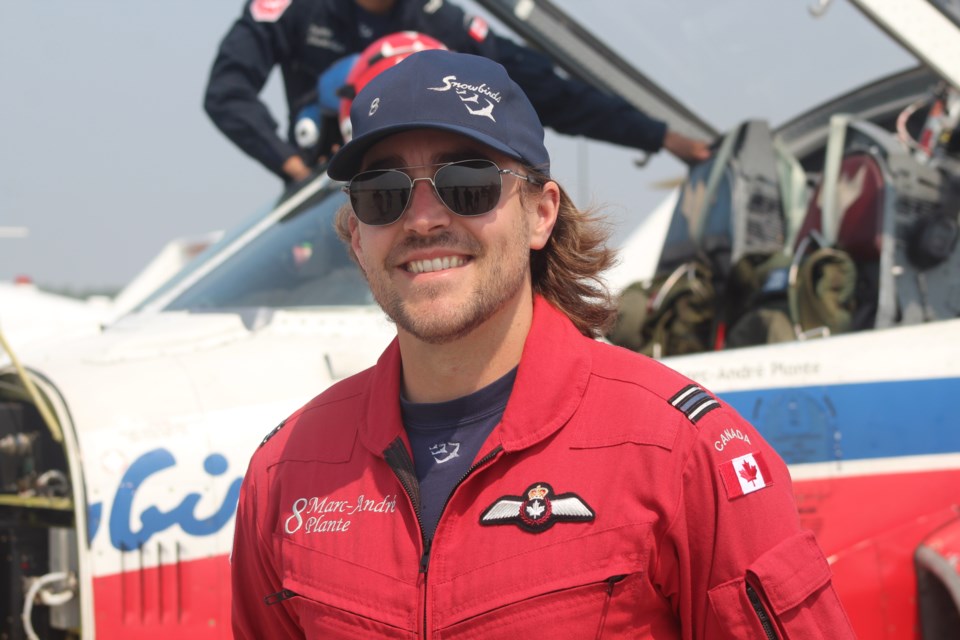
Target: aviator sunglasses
467 188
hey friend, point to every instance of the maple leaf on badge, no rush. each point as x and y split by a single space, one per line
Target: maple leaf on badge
535 510
748 472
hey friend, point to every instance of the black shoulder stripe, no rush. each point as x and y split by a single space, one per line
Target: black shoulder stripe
272 433
694 402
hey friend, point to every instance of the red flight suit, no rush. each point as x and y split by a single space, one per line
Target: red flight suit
615 499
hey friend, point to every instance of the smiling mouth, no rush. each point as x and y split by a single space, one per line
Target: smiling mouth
436 264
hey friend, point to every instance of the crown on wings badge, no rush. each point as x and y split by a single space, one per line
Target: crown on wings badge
538 509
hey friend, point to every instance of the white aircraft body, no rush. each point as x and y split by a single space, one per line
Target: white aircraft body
31 315
34 315
121 454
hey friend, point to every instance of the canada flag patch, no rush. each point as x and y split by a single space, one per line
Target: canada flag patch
745 474
478 29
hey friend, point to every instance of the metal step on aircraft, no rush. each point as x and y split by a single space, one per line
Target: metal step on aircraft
807 274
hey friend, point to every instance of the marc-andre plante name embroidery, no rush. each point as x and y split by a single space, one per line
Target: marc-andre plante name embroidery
328 515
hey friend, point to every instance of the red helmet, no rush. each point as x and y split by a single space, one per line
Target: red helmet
381 54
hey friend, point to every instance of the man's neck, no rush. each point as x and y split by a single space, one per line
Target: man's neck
441 372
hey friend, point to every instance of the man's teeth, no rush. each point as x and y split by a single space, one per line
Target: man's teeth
437 264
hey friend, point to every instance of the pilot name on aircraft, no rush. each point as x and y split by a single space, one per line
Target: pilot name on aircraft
730 434
794 368
756 372
311 514
743 372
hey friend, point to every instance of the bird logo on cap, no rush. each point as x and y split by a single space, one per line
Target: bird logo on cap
472 93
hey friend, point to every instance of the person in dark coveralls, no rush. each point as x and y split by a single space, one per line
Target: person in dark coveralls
305 37
499 473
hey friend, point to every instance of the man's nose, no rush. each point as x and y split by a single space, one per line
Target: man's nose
425 211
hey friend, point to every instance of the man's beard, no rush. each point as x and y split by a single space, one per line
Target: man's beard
500 281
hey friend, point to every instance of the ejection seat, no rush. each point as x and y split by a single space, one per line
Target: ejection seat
862 258
730 210
834 274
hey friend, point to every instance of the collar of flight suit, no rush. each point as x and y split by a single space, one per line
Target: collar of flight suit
552 377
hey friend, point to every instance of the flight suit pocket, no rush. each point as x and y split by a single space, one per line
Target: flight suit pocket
610 608
786 594
319 620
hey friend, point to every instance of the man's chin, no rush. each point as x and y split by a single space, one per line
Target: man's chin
438 328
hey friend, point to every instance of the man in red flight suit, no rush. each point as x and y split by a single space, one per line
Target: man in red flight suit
499 473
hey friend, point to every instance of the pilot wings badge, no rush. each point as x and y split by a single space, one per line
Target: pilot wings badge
538 509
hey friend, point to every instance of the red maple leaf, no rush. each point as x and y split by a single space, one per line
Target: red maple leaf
748 472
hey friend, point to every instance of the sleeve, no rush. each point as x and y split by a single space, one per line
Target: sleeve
563 104
576 108
243 63
253 572
735 562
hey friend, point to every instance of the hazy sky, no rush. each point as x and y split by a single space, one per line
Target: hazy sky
106 154
106 151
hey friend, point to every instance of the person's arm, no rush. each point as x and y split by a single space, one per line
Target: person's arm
253 574
575 108
247 54
689 150
296 169
735 562
563 104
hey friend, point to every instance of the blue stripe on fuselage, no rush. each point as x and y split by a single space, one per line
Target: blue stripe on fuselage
855 421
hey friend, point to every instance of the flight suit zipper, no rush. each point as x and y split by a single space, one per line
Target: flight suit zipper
765 621
279 596
611 585
400 462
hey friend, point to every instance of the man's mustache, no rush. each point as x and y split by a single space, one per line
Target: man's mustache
444 240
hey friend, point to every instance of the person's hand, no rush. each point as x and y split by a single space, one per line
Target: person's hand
686 149
324 159
296 168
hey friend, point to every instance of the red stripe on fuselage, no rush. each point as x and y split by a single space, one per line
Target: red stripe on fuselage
191 599
870 526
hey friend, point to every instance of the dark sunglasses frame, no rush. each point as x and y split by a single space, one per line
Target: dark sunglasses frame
361 208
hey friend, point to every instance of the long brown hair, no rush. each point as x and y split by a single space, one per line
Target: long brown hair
568 270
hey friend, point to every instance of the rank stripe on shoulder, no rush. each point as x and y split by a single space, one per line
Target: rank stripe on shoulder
694 402
272 433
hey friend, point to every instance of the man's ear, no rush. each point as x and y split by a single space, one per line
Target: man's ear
545 215
354 226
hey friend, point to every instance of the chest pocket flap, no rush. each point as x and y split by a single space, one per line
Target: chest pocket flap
616 412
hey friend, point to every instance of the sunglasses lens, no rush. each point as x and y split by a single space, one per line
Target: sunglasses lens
379 197
469 188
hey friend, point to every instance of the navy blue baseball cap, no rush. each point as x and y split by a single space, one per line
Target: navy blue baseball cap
437 89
